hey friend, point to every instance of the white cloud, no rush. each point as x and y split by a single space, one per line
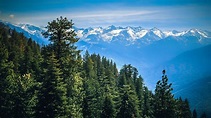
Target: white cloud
12 16
148 17
113 14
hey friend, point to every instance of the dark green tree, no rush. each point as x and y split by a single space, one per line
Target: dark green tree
186 109
164 102
62 37
194 114
147 104
129 107
183 109
139 89
16 75
203 115
7 77
52 97
108 110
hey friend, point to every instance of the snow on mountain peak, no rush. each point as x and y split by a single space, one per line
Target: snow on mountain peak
30 31
113 33
133 34
157 32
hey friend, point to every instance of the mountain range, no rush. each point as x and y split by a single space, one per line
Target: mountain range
184 54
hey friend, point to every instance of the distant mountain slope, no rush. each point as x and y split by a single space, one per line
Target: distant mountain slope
190 73
198 94
30 31
194 63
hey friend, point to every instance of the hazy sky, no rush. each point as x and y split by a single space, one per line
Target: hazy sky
163 14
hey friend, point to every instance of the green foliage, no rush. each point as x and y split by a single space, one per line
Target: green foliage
52 94
108 110
17 89
56 81
62 36
148 110
194 114
164 103
183 109
129 104
76 97
99 84
203 115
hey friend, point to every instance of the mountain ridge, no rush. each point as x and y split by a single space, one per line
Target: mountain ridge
131 35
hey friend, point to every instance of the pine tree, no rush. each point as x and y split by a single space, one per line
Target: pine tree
76 97
16 75
186 110
147 104
139 90
129 107
164 101
183 109
203 115
108 110
89 99
62 37
194 114
52 95
7 77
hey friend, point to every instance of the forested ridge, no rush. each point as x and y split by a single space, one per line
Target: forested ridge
57 81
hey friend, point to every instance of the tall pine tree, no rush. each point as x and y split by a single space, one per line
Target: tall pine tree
62 37
164 103
52 98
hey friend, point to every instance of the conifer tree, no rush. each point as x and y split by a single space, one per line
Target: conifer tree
52 98
147 104
88 86
20 84
129 107
27 61
186 109
139 90
164 102
7 77
194 114
62 37
203 115
183 108
108 110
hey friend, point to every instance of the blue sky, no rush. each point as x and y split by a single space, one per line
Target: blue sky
163 14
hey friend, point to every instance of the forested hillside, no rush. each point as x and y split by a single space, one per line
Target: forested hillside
57 81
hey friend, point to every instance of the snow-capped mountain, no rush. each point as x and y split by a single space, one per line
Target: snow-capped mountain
111 41
135 34
30 31
125 35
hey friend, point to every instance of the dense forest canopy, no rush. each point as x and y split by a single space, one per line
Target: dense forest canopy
57 81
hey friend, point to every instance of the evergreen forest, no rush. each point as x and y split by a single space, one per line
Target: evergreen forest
57 81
